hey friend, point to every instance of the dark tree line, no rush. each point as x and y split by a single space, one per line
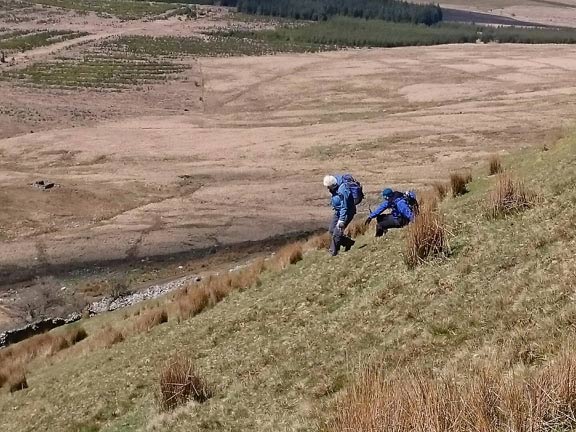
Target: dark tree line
320 10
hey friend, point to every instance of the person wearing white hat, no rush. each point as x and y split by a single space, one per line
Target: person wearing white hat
343 213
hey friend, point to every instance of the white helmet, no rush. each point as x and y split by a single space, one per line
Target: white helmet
330 181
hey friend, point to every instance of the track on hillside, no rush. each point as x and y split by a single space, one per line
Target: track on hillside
464 16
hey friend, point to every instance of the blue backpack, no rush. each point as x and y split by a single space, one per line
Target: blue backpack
410 198
355 188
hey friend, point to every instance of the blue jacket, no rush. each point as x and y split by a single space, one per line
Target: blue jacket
399 206
336 203
347 208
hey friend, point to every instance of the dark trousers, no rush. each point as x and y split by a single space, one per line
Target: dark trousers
338 237
385 222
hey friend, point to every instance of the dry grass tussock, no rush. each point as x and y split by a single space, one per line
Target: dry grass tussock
13 360
426 236
105 338
42 345
441 189
14 378
194 299
147 319
317 242
179 383
357 228
289 254
494 165
489 401
190 302
509 196
458 182
428 200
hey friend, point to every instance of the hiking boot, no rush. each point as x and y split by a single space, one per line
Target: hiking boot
349 245
381 233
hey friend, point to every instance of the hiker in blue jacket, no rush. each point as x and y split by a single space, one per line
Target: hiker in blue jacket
344 211
401 215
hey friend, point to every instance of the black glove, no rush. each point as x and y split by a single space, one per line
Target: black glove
368 220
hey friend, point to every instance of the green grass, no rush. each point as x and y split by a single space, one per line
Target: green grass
124 9
127 61
6 32
277 354
239 17
11 5
95 72
215 45
137 60
528 36
346 32
22 40
350 32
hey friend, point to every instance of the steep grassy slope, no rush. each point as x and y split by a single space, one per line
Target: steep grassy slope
277 354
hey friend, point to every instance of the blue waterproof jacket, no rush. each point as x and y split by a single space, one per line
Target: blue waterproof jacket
336 203
399 206
347 207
